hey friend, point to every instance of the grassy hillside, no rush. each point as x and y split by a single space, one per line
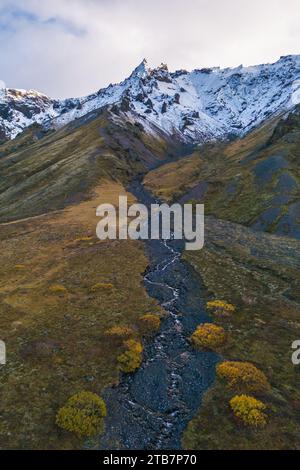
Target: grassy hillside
254 182
260 275
41 172
60 287
54 317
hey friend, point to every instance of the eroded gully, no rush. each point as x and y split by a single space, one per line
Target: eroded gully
150 408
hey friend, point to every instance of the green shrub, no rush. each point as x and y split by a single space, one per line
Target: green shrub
82 414
220 307
149 324
119 332
131 359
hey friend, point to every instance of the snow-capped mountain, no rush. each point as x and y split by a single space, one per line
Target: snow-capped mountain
196 106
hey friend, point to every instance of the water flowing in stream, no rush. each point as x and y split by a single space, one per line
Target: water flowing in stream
150 408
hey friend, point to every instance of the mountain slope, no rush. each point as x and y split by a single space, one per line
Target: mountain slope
254 181
259 273
45 171
61 288
198 106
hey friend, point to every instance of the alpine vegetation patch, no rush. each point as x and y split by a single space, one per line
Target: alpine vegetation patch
161 221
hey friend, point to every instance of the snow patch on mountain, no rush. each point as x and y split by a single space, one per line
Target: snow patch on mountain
198 106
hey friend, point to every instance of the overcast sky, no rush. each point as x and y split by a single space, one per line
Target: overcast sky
73 47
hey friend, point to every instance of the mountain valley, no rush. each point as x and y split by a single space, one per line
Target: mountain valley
227 138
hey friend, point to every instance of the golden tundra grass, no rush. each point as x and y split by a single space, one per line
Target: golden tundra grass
174 178
265 289
55 337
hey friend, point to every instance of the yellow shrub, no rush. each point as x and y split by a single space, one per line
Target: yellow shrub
82 414
58 289
20 266
149 323
249 410
131 359
119 332
133 345
220 307
209 336
83 239
77 242
101 286
243 376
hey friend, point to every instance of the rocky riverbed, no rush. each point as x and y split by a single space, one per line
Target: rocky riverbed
150 408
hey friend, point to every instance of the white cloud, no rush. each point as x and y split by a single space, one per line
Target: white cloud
73 47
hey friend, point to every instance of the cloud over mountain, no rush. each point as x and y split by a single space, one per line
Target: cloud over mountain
70 47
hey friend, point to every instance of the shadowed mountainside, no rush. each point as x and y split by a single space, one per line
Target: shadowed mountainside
45 171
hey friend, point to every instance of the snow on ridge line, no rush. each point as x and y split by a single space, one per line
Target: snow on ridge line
199 105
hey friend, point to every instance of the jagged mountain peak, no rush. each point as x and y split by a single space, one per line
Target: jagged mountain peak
141 70
201 105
